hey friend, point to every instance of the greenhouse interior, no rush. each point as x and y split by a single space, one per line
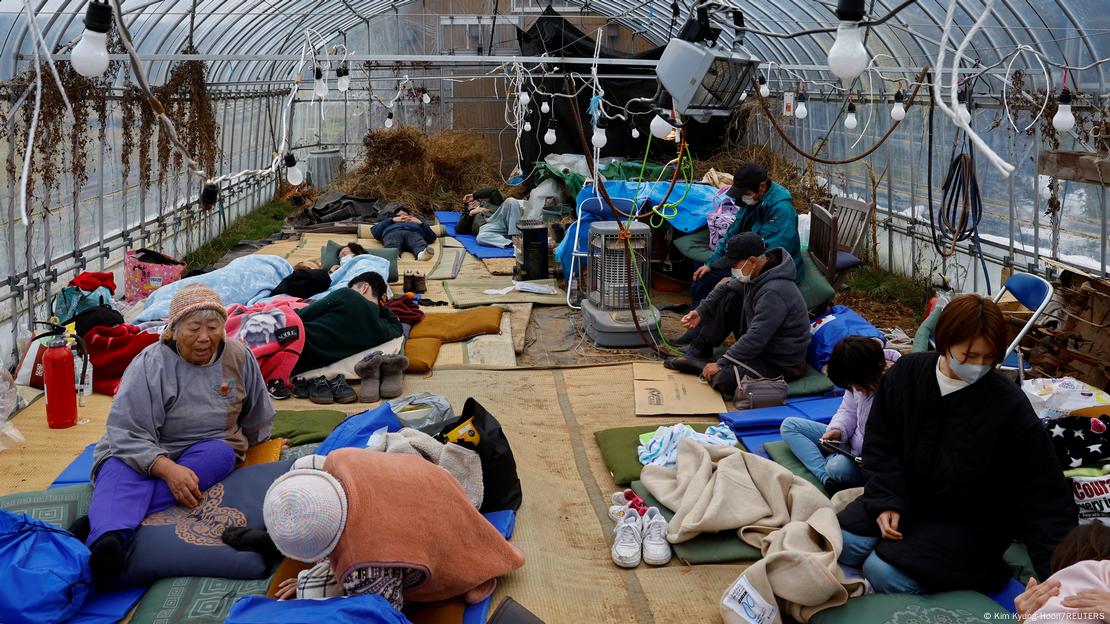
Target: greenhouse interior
563 311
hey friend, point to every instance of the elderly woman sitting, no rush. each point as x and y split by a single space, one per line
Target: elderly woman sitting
187 409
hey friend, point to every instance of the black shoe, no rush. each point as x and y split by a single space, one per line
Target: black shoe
300 387
686 364
832 486
252 540
342 392
107 559
278 390
319 391
81 528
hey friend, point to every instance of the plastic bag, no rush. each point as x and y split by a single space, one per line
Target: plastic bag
1054 398
9 396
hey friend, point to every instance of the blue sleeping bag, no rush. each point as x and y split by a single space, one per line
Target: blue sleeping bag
46 571
363 609
832 327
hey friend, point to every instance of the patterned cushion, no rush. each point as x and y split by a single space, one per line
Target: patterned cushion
962 607
192 600
60 506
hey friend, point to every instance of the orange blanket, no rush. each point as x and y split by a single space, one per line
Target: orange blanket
405 511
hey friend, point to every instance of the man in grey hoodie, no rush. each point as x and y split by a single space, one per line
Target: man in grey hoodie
762 306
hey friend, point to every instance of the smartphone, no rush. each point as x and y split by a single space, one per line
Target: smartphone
838 446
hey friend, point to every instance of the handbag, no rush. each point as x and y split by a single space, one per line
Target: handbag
756 391
147 270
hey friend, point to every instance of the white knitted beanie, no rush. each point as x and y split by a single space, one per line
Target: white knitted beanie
305 512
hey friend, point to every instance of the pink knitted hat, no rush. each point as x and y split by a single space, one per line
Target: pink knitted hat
194 298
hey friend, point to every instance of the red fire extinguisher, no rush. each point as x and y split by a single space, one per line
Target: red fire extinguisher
59 378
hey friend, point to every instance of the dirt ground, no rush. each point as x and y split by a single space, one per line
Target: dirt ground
881 314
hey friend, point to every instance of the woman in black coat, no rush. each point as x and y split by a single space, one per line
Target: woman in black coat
958 466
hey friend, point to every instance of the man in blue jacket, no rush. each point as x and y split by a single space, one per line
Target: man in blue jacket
767 209
761 305
403 231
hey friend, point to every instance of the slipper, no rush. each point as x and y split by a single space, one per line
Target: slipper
393 375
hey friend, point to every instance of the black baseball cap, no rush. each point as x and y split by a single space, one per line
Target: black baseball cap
747 178
740 247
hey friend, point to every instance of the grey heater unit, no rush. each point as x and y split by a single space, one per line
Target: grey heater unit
609 322
705 82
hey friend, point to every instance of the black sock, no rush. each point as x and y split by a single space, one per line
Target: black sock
81 528
108 559
252 540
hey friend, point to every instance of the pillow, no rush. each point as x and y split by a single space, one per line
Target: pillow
965 607
329 257
695 246
422 353
300 427
816 290
346 366
455 326
813 382
181 542
618 449
264 453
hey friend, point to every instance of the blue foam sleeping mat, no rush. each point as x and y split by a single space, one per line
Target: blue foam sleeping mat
450 219
505 522
78 470
766 420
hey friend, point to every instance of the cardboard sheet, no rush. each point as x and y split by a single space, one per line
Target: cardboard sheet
660 391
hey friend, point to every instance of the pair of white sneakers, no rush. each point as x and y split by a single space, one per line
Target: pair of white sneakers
640 534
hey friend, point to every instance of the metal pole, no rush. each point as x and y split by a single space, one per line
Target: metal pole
1036 201
100 199
1102 211
1010 200
913 195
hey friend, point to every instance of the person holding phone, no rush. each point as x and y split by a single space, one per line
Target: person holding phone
958 467
857 364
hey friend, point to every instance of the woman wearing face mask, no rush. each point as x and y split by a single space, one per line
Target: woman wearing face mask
958 467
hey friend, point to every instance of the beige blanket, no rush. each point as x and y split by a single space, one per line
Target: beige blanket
716 488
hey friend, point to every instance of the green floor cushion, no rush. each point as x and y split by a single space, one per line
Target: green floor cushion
816 290
695 246
182 542
706 548
304 426
329 256
194 600
618 449
293 453
60 506
781 454
960 607
813 382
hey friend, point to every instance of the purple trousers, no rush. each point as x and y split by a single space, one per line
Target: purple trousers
122 497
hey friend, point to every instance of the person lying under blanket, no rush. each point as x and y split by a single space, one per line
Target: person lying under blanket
188 408
1079 588
347 321
958 467
408 534
403 231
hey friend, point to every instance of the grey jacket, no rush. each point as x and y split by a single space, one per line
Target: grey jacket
774 324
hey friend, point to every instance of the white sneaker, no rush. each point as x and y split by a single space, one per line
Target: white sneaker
620 504
426 254
656 550
628 541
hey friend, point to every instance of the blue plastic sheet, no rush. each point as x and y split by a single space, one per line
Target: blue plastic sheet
363 609
355 432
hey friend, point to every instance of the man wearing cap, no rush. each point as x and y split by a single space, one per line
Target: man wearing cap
761 305
188 408
767 209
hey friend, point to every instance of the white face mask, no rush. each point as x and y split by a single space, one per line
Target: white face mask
749 200
740 276
344 259
970 373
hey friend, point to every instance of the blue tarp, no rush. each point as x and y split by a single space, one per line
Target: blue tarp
450 219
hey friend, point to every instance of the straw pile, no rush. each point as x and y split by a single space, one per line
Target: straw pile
424 172
781 169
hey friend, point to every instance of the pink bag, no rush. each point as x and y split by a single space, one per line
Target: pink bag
147 271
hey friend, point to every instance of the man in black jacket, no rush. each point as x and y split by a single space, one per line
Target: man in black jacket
762 306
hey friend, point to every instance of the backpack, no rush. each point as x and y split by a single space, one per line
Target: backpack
72 300
46 571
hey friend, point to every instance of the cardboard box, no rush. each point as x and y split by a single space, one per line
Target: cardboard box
661 392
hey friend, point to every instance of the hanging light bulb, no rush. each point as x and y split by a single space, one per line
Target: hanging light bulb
635 132
661 128
524 99
599 140
545 108
320 86
961 107
764 90
550 137
342 78
848 57
389 120
850 122
743 95
527 126
898 111
90 56
424 97
293 173
801 112
1063 120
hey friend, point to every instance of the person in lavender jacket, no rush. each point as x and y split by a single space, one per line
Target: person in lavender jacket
857 364
188 408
